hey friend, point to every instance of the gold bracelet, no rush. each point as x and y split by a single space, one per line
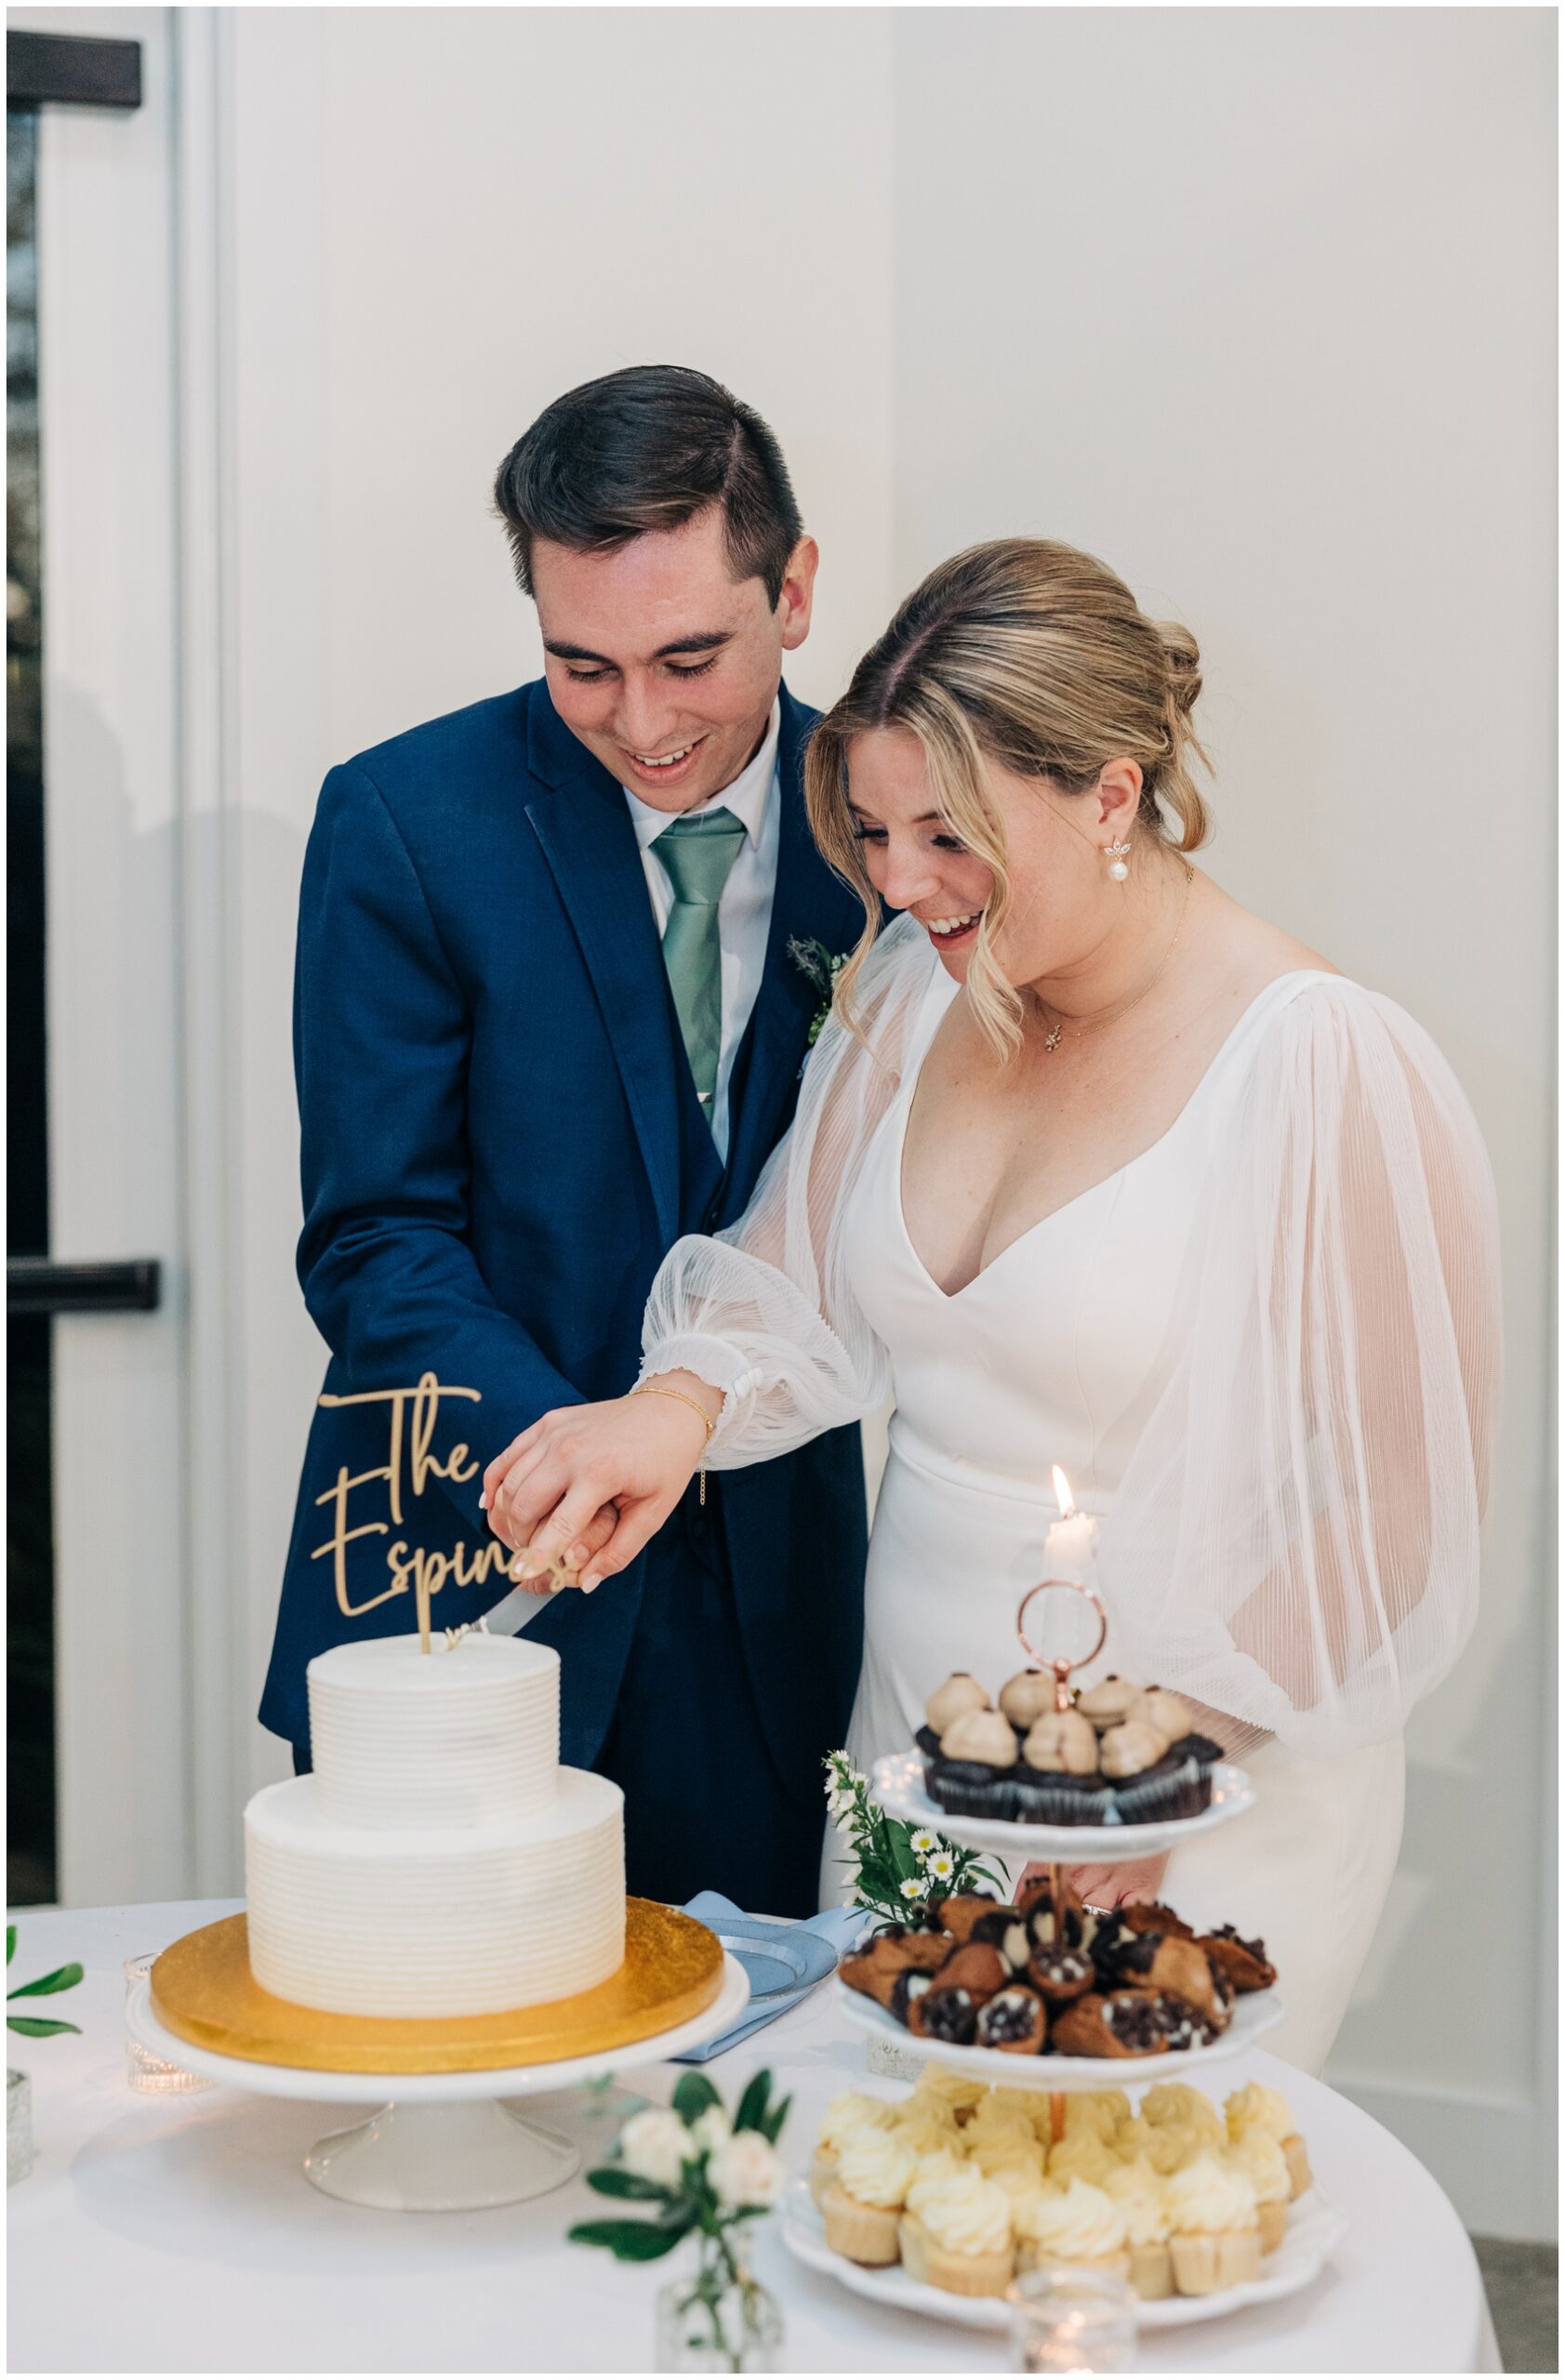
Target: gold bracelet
647 1388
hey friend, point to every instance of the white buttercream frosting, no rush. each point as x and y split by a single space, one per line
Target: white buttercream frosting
1209 2194
464 1735
1137 2192
850 2111
875 2167
1083 2221
962 2211
1258 2103
1260 2157
1181 2103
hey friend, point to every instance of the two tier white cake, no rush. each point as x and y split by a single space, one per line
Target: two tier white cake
439 1862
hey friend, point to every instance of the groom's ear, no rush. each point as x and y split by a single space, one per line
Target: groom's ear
797 594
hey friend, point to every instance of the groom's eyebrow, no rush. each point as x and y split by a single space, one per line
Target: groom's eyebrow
704 641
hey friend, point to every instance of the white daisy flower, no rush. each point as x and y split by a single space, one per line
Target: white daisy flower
912 1888
925 1842
941 1866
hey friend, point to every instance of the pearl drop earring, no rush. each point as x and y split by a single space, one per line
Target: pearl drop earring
1114 853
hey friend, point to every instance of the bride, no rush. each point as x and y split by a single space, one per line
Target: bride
1094 1167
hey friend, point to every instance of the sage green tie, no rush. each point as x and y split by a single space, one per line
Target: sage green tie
699 854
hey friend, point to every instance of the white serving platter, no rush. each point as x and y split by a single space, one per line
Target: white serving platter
1314 2228
898 1786
1255 2013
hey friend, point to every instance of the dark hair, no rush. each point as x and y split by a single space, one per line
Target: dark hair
648 448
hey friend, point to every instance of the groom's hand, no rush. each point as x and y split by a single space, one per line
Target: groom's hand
634 1454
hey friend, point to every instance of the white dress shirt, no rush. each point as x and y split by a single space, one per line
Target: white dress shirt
744 913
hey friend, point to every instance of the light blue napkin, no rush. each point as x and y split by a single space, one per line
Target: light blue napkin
837 1929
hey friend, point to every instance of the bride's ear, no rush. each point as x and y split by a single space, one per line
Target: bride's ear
1115 800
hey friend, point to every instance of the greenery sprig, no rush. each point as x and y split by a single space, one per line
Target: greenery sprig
60 1979
901 1868
821 967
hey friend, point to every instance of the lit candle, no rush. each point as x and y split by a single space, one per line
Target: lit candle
1072 1540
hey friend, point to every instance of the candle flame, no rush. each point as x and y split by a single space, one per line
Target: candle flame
1062 1496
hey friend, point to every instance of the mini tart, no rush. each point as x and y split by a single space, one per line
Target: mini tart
1013 2020
978 1967
1215 2238
985 2275
866 2235
945 2013
1151 2268
1246 1964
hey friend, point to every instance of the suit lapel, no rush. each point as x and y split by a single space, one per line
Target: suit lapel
584 828
809 905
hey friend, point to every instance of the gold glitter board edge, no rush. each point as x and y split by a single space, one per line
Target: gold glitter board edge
203 1991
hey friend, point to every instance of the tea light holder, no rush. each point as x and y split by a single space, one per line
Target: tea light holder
145 2071
1071 2319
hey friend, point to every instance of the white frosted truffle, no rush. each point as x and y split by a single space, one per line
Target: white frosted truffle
960 1693
1027 1697
1107 1703
1158 1709
1062 1740
982 1736
1128 1749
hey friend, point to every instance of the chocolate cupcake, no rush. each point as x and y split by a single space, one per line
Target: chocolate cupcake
1013 2021
947 2014
1153 1780
1057 1783
960 1692
975 1774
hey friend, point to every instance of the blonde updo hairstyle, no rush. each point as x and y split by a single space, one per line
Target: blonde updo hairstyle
1035 656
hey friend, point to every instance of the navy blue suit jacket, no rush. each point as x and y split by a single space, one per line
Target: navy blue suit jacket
500 1142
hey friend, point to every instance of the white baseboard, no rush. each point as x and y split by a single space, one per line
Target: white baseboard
1494 2157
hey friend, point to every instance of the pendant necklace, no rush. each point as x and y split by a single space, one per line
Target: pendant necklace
1057 1025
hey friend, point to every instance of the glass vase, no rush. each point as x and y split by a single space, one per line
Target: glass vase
718 2318
18 2127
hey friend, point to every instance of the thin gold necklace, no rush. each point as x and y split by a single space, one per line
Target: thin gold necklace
1056 1025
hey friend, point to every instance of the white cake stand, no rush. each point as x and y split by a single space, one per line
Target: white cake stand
441 2142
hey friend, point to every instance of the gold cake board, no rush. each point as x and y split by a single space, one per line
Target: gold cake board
203 1992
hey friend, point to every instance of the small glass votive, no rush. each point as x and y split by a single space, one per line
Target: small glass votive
1071 2318
145 2071
19 2126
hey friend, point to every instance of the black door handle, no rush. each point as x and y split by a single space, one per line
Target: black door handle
37 1285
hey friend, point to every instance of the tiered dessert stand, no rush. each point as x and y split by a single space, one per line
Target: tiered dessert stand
897 1785
442 2139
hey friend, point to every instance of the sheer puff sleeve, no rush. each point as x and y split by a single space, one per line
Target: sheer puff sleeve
765 1311
1296 1539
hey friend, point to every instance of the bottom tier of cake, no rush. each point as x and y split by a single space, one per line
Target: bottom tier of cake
437 1922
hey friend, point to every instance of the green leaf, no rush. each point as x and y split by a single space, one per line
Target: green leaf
693 2096
10 1944
614 2181
635 2243
61 1979
750 2115
39 2028
777 2120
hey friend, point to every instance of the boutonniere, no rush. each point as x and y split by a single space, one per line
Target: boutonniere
818 967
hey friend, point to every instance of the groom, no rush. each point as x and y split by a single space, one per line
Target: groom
547 1020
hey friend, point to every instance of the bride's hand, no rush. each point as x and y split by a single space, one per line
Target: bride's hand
1112 1887
636 1454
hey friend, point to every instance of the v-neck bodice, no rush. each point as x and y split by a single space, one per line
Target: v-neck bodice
1055 1352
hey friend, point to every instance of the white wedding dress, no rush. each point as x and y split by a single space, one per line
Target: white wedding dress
1264 1353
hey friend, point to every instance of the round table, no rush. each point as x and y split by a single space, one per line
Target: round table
179 2234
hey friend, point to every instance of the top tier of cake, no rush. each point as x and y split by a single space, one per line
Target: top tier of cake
464 1735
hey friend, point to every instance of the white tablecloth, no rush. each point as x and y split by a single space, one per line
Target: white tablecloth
180 2235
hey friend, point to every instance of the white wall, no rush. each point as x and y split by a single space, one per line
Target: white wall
1253 302
429 223
1257 305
